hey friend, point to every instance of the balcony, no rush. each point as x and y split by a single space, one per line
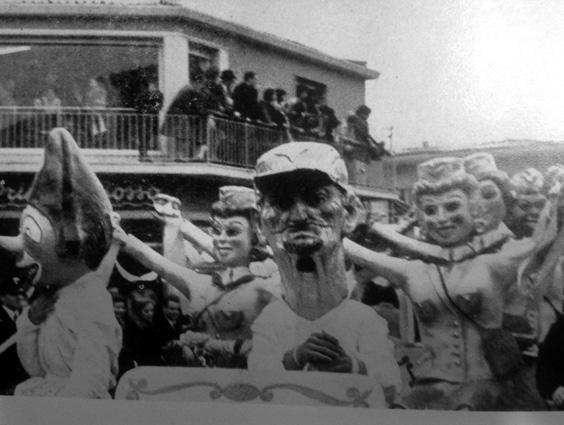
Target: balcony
115 140
216 140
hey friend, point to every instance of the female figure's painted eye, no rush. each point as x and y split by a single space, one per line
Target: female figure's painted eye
452 206
524 205
489 193
430 210
540 204
233 231
31 229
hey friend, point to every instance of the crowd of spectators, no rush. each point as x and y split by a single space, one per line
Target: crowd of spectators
308 116
153 323
210 93
151 320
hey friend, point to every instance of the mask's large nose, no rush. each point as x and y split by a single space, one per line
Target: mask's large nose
298 211
25 260
13 244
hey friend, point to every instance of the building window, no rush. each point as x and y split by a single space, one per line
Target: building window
72 73
202 57
316 90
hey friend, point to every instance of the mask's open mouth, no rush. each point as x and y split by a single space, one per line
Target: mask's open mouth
29 275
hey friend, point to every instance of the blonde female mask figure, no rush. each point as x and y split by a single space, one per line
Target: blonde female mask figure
224 304
455 302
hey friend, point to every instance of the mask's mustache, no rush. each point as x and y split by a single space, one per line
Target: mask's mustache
302 226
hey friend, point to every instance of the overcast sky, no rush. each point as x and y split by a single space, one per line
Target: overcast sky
452 72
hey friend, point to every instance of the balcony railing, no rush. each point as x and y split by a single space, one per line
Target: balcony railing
219 139
188 138
182 138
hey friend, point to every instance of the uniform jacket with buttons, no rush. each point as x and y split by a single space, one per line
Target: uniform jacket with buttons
477 285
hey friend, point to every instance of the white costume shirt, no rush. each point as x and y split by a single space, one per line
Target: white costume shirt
360 331
74 352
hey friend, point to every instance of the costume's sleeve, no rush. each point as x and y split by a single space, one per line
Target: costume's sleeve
267 352
187 281
508 264
94 363
197 236
98 342
377 352
395 270
27 345
173 245
104 270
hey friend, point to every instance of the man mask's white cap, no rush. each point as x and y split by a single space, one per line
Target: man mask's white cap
291 157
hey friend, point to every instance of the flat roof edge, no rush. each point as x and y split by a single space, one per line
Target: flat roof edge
183 13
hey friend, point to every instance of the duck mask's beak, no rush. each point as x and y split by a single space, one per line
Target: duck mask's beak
14 245
28 271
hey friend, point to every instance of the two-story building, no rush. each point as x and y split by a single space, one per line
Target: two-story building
80 64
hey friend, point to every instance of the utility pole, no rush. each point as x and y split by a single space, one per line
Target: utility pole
394 174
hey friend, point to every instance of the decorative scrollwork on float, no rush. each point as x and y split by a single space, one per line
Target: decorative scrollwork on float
134 196
122 197
243 392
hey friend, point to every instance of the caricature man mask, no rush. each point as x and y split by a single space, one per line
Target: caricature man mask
304 217
66 226
306 209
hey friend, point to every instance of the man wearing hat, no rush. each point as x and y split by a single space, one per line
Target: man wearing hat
12 298
69 339
306 209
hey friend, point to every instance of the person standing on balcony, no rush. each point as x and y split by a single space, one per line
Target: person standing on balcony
50 104
7 89
297 111
215 95
148 104
186 134
228 79
328 121
359 123
245 98
268 97
281 95
359 147
97 98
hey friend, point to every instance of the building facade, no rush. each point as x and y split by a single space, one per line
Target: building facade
81 65
511 156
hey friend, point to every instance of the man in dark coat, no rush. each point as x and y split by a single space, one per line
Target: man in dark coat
171 323
550 366
12 299
191 100
245 98
148 105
